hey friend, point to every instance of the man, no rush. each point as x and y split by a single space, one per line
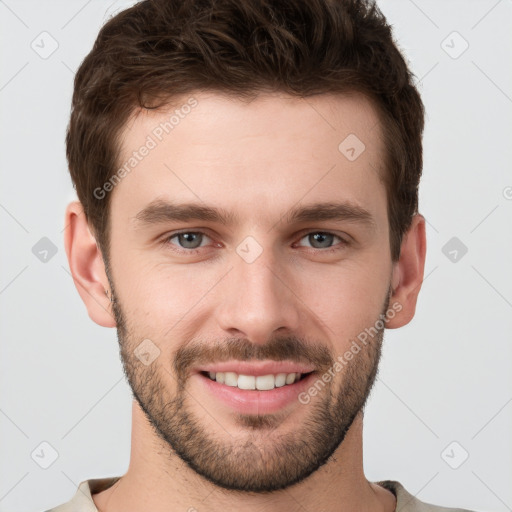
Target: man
247 175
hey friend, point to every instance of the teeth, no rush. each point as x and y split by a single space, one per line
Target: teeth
230 379
290 378
262 382
246 382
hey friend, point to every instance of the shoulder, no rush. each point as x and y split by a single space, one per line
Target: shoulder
82 500
406 502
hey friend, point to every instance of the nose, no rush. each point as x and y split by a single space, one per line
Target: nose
258 299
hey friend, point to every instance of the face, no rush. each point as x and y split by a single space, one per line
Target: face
249 250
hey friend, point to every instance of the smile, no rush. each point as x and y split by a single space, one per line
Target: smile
260 382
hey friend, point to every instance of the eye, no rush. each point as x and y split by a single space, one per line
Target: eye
324 240
191 242
188 241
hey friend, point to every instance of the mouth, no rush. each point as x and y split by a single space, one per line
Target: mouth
255 389
255 382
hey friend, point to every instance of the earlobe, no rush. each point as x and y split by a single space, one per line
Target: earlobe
87 266
408 273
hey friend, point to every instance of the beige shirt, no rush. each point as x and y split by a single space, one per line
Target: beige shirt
82 500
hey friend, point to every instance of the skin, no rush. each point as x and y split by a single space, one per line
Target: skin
257 160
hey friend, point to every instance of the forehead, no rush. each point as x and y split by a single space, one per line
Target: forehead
274 151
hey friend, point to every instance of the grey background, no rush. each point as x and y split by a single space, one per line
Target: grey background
445 377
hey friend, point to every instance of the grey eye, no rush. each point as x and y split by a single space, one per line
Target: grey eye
189 240
320 239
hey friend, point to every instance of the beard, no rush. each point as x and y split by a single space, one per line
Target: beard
263 458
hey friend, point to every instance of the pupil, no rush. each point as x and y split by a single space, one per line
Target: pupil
189 239
321 237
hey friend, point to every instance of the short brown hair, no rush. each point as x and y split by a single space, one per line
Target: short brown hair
160 49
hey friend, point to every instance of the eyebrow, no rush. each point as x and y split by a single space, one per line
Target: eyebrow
160 211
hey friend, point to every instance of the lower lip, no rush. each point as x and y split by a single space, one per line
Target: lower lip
253 401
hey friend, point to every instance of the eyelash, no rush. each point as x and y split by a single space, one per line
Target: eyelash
166 241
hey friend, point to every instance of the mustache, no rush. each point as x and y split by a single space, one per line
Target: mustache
290 348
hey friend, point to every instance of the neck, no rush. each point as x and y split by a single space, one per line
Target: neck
158 480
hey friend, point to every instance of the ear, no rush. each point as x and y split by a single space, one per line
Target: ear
87 267
407 275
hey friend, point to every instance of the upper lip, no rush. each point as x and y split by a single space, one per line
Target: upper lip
257 368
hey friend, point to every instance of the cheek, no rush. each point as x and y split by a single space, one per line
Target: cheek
158 296
347 299
346 296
